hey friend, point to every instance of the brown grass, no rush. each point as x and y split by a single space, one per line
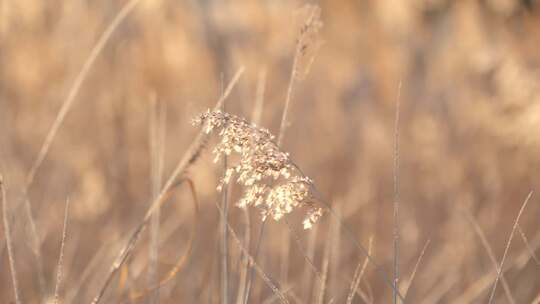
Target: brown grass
96 99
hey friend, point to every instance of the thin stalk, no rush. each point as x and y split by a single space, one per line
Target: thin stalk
257 250
224 249
35 242
285 249
499 269
528 245
358 274
491 255
245 261
61 256
157 147
9 243
75 87
288 98
325 265
256 119
396 197
307 276
259 98
415 269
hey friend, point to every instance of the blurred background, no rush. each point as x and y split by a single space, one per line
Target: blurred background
468 137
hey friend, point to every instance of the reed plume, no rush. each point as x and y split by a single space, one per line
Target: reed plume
270 179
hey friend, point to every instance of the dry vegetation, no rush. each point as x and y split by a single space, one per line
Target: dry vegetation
96 104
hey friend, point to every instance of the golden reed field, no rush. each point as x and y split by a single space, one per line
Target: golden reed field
336 151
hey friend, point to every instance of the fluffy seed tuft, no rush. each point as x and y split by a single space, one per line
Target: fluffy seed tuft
270 180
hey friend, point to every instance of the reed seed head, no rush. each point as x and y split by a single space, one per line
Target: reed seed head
270 180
